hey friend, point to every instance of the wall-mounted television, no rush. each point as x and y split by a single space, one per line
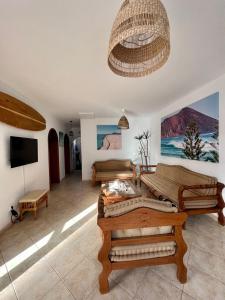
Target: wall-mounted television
23 151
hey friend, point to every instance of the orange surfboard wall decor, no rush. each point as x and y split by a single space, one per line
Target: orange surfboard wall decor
18 114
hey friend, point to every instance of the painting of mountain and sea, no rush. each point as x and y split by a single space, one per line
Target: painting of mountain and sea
109 137
193 131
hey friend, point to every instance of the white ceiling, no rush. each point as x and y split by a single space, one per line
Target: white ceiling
55 52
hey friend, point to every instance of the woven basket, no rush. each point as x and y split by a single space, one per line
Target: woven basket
140 38
123 123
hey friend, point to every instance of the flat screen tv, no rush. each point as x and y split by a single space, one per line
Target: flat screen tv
23 151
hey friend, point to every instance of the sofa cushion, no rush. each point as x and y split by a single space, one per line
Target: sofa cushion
183 176
113 165
161 187
144 251
120 208
105 176
141 231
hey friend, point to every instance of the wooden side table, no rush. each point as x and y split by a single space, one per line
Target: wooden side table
31 202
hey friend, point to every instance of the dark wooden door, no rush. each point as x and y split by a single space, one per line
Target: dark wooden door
53 151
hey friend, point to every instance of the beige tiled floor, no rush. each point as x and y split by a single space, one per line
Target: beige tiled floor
55 256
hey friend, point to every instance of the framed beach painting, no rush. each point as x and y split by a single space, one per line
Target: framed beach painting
193 131
109 137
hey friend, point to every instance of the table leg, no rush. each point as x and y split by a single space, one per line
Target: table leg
21 212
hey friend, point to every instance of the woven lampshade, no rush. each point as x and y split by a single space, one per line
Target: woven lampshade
140 38
123 123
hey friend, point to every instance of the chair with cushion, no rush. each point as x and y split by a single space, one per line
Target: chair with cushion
140 232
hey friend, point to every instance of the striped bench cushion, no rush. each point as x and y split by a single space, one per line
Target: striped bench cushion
109 175
120 208
145 251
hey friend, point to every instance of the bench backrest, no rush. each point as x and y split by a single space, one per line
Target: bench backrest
184 176
113 165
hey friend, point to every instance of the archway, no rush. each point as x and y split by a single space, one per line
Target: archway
67 154
53 154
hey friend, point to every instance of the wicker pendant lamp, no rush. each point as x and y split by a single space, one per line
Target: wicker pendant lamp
123 122
140 38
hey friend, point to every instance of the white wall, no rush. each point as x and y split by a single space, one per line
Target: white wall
89 142
214 169
17 181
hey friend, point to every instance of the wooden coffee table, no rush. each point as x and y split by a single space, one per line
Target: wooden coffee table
32 201
119 190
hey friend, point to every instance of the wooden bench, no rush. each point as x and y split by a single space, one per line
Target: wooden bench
31 202
103 171
138 219
190 191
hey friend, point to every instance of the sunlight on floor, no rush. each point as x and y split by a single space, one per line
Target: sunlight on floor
79 217
20 258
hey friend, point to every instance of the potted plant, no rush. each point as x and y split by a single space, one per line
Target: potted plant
143 150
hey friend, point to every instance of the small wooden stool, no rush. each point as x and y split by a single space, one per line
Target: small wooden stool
31 202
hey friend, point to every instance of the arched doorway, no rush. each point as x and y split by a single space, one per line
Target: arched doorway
53 155
67 154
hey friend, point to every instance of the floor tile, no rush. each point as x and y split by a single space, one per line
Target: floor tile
115 293
208 263
8 293
35 282
129 279
4 276
207 227
82 279
155 287
202 286
17 249
64 257
187 297
58 292
13 236
168 272
209 245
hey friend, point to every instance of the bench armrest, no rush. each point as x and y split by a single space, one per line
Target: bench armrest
217 195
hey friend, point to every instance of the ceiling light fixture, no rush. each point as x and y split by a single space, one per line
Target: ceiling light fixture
140 38
123 122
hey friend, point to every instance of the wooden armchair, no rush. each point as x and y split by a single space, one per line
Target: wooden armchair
136 219
103 171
